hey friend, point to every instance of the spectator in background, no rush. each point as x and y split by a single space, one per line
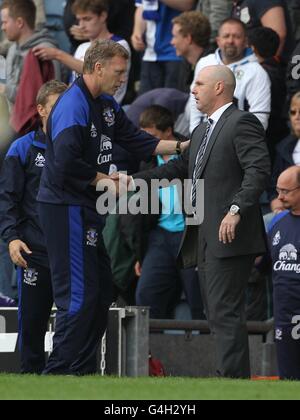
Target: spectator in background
161 282
120 21
92 18
287 152
265 43
39 24
152 34
253 89
21 231
216 11
73 30
18 23
284 245
271 14
191 33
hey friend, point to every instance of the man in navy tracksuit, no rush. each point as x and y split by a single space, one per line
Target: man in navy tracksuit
284 237
20 229
82 130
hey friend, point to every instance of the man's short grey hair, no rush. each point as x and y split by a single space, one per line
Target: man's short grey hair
102 52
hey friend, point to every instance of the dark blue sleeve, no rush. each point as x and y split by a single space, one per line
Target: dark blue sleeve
12 180
134 140
69 122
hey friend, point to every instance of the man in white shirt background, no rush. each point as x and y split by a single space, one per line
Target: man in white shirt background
253 90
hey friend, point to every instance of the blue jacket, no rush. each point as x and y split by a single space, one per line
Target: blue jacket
82 133
283 161
19 184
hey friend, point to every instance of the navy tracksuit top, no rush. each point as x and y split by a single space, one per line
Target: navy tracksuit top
82 142
19 185
284 238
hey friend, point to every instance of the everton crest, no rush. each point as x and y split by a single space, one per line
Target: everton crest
109 116
31 277
92 238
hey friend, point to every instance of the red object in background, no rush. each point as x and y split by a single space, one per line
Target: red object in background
156 368
24 117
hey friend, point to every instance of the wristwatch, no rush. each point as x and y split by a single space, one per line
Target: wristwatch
178 148
234 210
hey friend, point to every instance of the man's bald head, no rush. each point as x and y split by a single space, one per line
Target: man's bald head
288 187
290 177
214 88
221 74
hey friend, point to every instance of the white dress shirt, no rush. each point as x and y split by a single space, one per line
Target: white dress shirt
296 154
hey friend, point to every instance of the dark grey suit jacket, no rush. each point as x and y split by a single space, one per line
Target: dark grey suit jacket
236 170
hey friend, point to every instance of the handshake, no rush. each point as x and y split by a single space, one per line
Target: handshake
116 184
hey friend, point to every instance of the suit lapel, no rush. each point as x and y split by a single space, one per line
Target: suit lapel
214 137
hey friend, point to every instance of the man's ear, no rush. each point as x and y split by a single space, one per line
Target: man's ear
20 22
220 87
190 39
99 69
104 17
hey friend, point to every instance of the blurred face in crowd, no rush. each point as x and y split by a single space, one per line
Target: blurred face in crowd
180 43
295 116
232 41
92 24
44 111
10 26
112 75
159 134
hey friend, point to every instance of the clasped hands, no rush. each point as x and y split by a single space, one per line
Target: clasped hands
117 184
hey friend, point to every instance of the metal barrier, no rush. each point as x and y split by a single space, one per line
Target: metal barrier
185 348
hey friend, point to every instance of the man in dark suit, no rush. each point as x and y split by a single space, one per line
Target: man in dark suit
230 154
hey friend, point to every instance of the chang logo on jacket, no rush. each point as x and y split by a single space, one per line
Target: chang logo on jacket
288 253
31 277
288 257
106 147
92 237
109 116
40 161
106 144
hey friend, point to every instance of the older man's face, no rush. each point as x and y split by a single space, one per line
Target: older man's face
204 92
232 41
289 193
114 75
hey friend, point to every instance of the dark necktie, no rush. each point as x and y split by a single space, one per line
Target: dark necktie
199 161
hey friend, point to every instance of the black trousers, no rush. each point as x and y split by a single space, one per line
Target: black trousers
35 304
82 286
288 354
223 285
161 283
